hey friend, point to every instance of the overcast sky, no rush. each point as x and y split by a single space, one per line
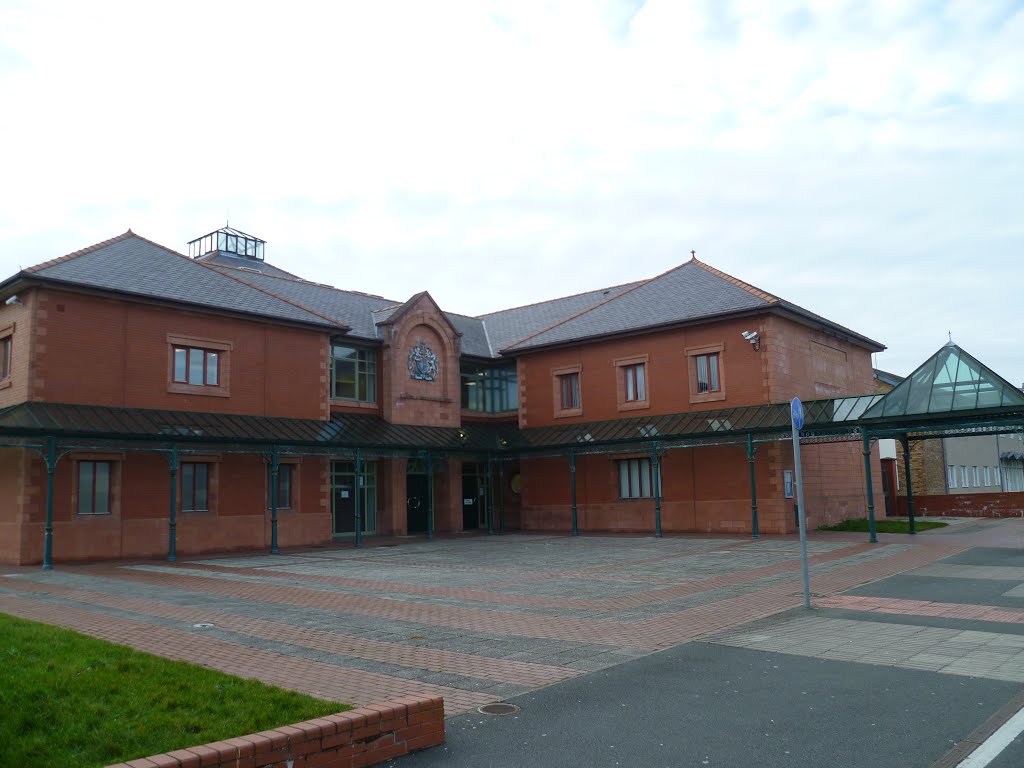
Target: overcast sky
862 159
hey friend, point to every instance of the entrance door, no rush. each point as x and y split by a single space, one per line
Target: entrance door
471 497
888 485
344 509
417 502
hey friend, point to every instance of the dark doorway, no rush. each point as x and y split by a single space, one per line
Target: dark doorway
417 501
889 485
343 482
472 497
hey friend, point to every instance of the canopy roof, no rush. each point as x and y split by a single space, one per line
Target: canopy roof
951 380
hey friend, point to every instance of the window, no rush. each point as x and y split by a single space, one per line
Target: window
199 367
489 389
951 475
787 483
635 479
567 391
634 382
707 374
988 476
6 353
353 373
569 386
195 487
284 486
996 476
976 477
5 366
94 487
964 480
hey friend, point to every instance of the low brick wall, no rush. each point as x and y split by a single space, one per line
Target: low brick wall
967 505
360 737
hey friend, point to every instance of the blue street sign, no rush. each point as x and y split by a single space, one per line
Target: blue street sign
796 410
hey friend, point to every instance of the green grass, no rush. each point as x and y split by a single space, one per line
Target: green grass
71 700
883 526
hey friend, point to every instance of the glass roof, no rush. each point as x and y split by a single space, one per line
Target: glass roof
949 381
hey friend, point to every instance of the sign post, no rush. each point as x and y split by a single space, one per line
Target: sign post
796 412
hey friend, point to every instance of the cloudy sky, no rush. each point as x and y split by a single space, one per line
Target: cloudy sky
863 159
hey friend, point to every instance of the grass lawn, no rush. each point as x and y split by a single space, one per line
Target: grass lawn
71 700
883 526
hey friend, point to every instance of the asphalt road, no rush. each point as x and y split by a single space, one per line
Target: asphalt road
701 704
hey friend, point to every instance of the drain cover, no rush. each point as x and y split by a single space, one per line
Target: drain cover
202 625
498 709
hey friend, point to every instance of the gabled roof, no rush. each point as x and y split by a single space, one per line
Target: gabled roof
950 380
688 292
219 258
132 265
351 308
508 326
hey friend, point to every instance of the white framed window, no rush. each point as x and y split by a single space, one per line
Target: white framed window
997 476
635 479
988 476
976 476
951 475
965 480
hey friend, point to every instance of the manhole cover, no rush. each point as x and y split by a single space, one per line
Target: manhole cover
202 625
498 709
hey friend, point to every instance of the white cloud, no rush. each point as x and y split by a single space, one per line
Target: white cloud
861 159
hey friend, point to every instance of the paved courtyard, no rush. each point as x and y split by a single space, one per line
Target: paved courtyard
483 619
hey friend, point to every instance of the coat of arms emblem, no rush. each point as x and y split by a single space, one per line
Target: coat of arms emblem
422 362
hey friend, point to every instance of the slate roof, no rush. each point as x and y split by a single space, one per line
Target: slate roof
688 292
241 262
130 264
691 291
508 326
352 308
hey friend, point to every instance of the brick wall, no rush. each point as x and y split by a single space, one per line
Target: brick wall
360 737
110 352
17 387
967 505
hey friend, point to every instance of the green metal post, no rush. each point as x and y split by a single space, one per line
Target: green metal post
430 496
172 538
753 489
572 474
51 468
656 482
490 495
873 534
275 466
358 491
910 487
501 497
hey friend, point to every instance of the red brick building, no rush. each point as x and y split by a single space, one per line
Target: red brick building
414 418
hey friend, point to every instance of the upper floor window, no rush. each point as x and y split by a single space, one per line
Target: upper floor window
198 366
353 373
489 389
964 482
707 376
988 476
631 382
195 366
5 352
976 476
567 392
569 387
951 475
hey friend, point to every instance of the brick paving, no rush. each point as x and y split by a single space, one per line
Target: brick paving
473 620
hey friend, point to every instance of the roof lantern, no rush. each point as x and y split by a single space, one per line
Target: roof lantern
227 240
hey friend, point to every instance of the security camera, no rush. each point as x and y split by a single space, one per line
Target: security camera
12 300
753 337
